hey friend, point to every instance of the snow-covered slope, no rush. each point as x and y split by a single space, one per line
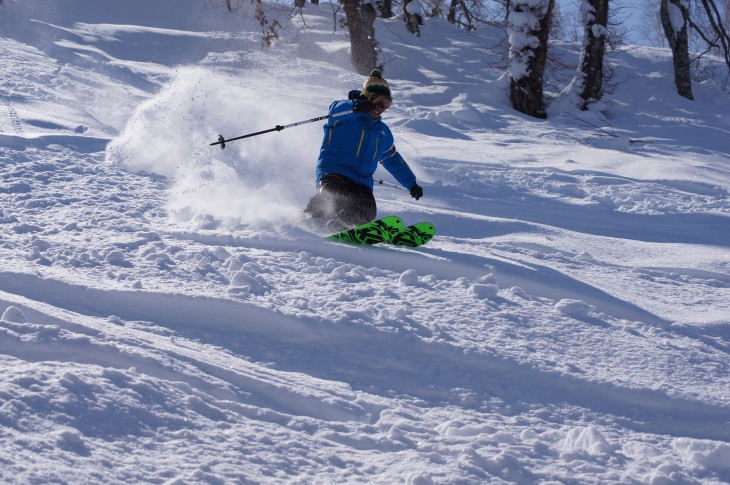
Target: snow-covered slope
168 317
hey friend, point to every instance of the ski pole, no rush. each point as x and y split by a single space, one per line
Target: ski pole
383 182
222 141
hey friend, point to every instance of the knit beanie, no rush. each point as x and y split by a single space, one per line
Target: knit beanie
375 84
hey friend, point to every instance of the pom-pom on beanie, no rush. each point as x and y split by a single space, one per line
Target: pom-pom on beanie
376 85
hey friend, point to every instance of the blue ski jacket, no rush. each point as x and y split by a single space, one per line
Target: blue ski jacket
353 145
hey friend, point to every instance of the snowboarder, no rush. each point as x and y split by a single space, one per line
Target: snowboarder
353 145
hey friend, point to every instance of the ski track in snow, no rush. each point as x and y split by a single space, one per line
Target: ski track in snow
568 323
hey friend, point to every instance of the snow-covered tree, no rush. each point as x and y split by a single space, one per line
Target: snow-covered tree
675 20
594 14
412 16
528 30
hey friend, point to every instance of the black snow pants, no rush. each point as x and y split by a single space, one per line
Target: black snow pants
342 203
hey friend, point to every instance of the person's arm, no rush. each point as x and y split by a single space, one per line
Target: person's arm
348 108
397 166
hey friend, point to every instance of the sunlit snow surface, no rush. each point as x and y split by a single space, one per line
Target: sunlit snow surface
168 316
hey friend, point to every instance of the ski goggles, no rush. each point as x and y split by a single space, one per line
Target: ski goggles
381 102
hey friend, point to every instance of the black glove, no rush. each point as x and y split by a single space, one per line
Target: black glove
354 94
363 106
416 191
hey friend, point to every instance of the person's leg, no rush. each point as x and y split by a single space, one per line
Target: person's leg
358 207
316 208
326 204
342 203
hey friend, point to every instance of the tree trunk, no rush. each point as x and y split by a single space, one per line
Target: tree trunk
451 16
527 59
413 20
675 16
386 8
591 63
361 25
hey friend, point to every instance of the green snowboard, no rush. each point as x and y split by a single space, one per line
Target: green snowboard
388 230
373 232
414 235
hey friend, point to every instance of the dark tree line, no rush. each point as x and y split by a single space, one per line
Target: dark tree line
529 23
676 19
